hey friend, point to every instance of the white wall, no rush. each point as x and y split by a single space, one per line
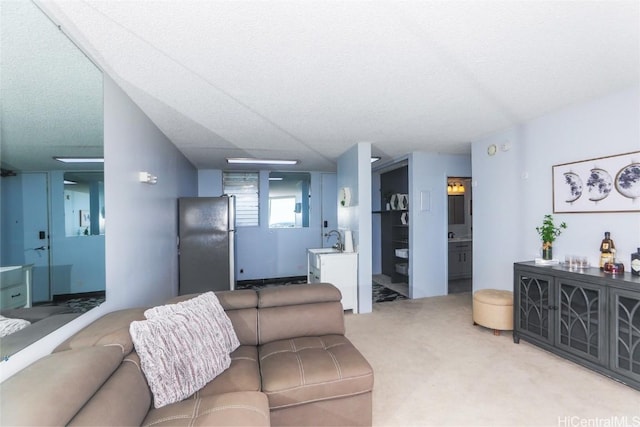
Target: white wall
428 220
513 191
141 254
354 172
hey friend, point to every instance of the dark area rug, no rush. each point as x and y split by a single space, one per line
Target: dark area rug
82 305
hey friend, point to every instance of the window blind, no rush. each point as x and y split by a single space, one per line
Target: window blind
244 186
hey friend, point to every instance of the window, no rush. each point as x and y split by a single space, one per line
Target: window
289 194
282 212
243 185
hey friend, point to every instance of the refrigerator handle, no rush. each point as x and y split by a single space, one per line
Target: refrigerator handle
232 213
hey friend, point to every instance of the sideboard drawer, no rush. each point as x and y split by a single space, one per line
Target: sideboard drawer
14 296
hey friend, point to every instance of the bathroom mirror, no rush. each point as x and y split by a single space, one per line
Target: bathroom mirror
289 195
52 105
456 210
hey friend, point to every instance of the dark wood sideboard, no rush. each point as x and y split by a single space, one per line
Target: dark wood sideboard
586 316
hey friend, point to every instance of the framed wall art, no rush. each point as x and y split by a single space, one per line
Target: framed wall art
85 219
604 184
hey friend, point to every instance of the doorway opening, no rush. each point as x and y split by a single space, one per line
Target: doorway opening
460 234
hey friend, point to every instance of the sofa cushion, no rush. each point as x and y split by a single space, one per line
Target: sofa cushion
123 400
53 389
240 306
310 369
278 296
179 354
112 328
242 375
229 409
301 320
35 314
203 308
230 300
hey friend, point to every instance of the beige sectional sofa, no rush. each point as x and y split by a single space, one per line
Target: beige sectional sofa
294 367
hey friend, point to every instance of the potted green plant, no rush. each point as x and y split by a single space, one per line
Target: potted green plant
548 233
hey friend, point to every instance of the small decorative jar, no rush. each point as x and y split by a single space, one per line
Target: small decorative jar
635 263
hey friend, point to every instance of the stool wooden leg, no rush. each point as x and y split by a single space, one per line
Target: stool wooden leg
496 332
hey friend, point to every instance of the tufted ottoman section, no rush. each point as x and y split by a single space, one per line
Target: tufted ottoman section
310 372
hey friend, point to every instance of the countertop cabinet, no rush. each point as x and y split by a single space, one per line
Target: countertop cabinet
339 269
460 260
587 316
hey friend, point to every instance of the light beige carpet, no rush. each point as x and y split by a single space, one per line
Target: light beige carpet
433 367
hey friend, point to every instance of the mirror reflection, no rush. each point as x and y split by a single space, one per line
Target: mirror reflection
84 213
52 265
289 195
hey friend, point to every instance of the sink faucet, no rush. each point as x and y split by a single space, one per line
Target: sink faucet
339 246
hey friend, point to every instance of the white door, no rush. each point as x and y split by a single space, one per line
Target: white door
35 220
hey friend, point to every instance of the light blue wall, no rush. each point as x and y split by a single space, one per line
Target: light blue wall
263 252
354 172
513 191
209 182
428 221
10 235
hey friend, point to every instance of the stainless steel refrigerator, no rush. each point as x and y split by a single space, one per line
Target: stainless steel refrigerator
206 244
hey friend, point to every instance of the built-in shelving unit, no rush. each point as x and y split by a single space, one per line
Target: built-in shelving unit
394 234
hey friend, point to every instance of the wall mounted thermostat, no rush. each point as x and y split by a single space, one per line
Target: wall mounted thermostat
492 149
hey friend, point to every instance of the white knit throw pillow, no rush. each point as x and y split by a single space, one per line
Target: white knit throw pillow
178 355
207 308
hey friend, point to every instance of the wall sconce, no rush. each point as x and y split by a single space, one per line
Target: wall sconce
147 178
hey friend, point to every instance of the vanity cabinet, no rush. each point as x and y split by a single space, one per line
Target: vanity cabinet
460 260
587 316
338 268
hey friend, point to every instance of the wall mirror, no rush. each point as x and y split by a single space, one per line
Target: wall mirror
52 105
289 194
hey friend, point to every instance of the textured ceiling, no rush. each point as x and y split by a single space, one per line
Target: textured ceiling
307 80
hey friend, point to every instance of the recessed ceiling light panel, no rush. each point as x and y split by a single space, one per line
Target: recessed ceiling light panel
247 161
80 159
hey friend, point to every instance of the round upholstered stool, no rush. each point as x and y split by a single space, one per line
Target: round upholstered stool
493 308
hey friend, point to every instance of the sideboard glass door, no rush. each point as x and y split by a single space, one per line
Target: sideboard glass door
625 333
581 320
535 303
